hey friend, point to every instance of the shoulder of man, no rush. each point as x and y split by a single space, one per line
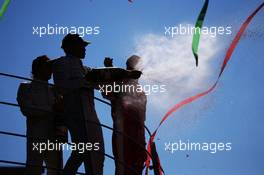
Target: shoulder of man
23 90
59 65
59 60
25 85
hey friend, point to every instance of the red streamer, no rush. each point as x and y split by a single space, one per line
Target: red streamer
195 97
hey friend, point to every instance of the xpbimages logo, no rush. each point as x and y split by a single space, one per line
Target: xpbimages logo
57 146
212 147
126 88
187 29
41 31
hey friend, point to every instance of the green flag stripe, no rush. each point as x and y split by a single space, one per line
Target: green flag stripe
198 26
4 8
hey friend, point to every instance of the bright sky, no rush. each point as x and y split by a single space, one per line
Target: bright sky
233 113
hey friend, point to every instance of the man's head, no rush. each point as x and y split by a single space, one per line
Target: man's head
41 68
74 45
132 62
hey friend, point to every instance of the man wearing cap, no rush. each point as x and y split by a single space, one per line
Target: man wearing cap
78 100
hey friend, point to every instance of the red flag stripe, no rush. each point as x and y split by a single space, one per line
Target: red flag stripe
195 97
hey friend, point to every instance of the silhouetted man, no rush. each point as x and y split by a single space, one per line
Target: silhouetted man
128 113
78 99
36 100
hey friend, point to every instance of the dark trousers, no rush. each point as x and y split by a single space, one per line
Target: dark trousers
78 136
129 152
35 159
91 159
78 110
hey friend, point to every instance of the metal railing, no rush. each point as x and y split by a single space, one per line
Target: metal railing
102 125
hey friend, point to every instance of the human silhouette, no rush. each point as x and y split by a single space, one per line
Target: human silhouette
36 100
78 100
128 114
